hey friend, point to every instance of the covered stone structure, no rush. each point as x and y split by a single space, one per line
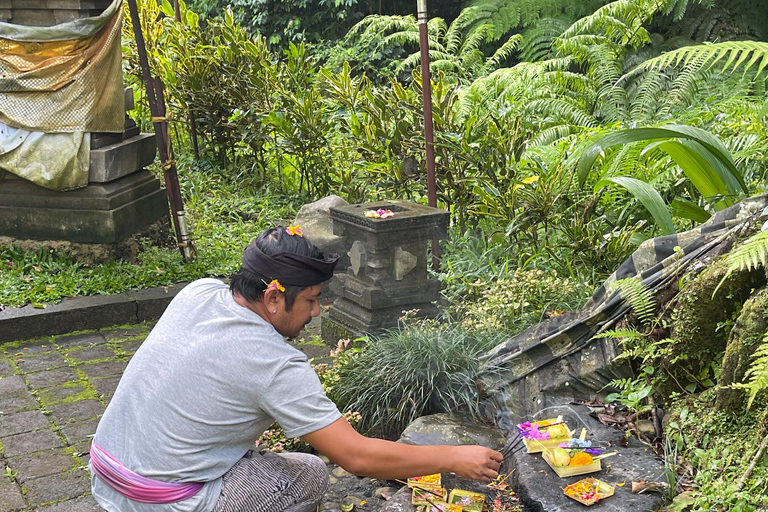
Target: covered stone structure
121 197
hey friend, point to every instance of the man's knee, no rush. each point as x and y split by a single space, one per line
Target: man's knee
316 472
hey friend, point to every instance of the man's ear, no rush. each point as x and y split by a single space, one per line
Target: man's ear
273 299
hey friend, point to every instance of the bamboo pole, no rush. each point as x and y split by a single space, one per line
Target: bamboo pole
156 100
426 89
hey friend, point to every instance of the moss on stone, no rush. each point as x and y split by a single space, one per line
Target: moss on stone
701 322
746 335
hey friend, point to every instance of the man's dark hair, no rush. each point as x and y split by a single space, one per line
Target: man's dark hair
272 241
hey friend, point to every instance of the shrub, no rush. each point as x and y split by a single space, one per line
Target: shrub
520 300
417 369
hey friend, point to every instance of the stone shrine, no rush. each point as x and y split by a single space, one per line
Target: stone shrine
121 198
388 265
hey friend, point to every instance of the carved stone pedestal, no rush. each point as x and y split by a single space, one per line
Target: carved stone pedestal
388 266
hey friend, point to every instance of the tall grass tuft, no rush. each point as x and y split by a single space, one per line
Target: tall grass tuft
415 370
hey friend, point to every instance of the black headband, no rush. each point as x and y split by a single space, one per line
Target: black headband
288 268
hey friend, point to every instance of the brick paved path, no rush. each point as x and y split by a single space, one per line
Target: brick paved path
52 393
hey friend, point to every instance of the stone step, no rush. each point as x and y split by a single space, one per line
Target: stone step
122 158
99 213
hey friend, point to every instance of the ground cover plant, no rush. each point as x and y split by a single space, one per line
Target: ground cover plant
566 133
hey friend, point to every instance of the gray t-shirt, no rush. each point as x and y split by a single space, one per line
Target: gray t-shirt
210 378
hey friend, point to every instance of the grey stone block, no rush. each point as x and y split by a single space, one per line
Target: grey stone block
151 302
117 160
78 5
106 386
79 431
6 5
15 402
105 369
80 340
6 368
41 362
63 486
32 17
99 213
12 384
22 422
49 378
129 99
5 14
70 412
11 498
90 354
44 463
30 442
81 504
67 316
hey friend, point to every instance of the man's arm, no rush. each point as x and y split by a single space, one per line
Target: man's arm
377 458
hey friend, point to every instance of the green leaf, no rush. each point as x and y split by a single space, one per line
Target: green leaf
686 209
648 196
716 149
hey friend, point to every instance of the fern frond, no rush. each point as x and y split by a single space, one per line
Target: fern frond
750 255
738 54
757 373
639 297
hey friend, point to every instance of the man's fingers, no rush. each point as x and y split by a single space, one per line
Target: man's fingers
498 457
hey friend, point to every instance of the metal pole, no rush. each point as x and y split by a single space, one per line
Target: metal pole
426 88
156 101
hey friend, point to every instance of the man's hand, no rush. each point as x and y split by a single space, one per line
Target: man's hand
476 462
386 460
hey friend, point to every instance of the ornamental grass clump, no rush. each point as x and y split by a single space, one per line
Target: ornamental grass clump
415 370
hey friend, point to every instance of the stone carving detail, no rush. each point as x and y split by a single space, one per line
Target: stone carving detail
404 263
357 257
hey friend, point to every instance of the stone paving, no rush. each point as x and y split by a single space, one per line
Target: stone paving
53 391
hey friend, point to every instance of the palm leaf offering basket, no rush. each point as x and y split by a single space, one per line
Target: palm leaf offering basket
588 491
555 426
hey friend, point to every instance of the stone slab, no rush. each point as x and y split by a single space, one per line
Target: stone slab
125 157
11 498
6 368
80 340
82 355
106 386
12 384
82 504
63 486
15 402
79 431
361 319
57 394
30 442
41 362
49 378
101 213
69 315
105 369
70 412
44 463
541 489
22 422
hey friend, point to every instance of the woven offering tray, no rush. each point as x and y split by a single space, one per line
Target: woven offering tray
588 491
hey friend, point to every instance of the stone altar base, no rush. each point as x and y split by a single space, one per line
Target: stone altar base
101 213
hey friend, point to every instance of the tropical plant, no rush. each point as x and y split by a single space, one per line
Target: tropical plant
454 49
702 157
417 369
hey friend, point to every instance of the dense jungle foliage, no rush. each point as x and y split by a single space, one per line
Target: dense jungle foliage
567 132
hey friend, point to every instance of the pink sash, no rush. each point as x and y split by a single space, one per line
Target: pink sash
137 487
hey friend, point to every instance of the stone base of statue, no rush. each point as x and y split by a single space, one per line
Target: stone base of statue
388 266
121 199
